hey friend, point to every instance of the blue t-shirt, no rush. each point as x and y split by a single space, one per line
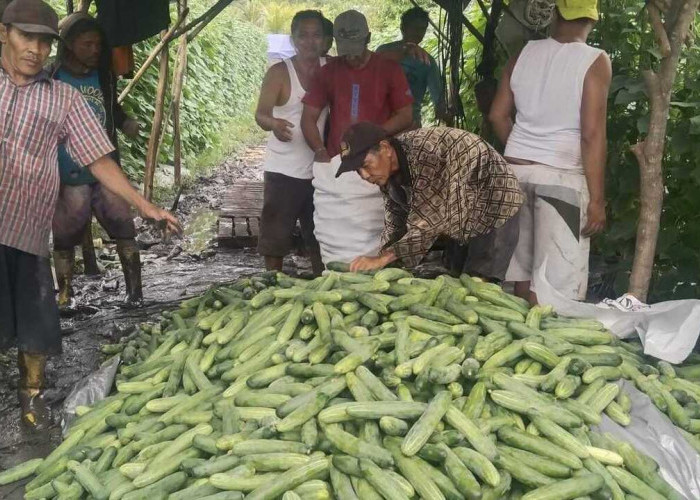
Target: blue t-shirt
89 86
420 76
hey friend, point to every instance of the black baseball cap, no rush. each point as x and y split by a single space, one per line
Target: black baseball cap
31 16
356 142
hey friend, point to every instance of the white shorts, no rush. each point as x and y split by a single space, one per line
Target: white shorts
551 221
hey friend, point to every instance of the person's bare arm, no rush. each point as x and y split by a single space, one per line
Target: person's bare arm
406 49
501 114
309 127
401 120
385 258
269 94
109 174
593 140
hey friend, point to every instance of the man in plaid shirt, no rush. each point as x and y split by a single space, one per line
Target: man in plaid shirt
36 114
437 182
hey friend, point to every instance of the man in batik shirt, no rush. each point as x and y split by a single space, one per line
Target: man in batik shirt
437 182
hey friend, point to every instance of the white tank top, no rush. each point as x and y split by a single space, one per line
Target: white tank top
547 83
293 158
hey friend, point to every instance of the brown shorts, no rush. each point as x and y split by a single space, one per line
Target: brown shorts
286 200
74 210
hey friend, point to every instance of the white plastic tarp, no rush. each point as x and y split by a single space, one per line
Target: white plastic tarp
668 330
95 387
652 433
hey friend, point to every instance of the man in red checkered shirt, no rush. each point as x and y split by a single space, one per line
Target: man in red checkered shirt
36 114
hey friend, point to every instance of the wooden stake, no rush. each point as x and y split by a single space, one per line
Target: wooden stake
153 55
154 139
178 81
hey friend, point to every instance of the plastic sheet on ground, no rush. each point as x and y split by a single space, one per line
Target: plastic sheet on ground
668 330
653 434
89 390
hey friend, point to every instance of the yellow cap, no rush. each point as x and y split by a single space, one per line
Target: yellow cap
576 9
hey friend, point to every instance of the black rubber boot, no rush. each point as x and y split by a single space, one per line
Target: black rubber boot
32 369
130 258
63 261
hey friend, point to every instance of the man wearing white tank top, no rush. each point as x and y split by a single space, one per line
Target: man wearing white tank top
557 88
288 166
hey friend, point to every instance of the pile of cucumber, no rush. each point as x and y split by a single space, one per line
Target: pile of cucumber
365 386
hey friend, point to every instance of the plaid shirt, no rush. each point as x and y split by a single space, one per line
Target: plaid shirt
34 119
452 183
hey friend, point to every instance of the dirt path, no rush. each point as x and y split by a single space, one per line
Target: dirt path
171 272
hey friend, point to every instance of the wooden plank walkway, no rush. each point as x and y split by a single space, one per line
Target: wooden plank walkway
239 218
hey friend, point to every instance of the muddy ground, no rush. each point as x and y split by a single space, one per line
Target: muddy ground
172 271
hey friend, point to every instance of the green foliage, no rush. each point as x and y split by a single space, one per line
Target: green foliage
623 34
226 63
275 16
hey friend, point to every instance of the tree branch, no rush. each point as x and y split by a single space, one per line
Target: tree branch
638 152
448 6
483 8
659 30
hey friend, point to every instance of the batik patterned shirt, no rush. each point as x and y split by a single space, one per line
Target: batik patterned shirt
452 183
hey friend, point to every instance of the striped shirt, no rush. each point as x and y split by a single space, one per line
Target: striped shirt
452 184
34 119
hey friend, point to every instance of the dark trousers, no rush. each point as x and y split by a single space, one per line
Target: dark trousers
28 310
286 200
487 255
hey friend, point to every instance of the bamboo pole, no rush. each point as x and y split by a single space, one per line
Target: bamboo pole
153 55
154 139
213 10
178 81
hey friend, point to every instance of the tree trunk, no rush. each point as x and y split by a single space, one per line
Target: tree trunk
154 139
671 37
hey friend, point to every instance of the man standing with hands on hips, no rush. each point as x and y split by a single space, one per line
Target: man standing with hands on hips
42 113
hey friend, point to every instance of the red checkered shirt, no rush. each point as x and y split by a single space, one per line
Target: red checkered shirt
34 119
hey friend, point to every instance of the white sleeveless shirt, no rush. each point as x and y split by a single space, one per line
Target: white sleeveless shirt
293 158
547 83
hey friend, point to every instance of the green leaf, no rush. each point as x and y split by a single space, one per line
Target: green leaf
695 125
